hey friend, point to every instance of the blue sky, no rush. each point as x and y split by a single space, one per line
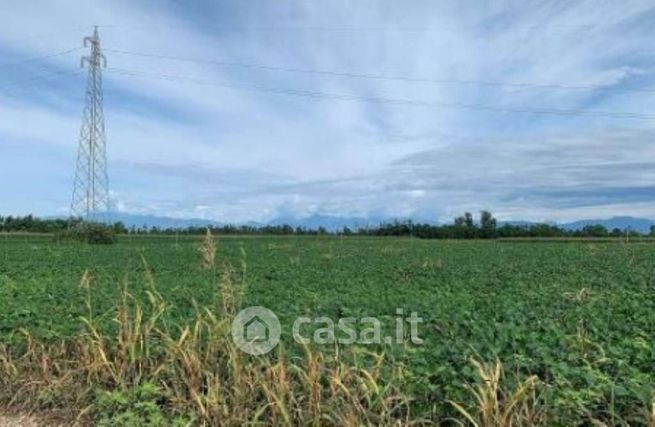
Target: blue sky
226 148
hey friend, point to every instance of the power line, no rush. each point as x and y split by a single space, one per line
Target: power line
7 89
40 58
438 28
382 100
75 29
518 85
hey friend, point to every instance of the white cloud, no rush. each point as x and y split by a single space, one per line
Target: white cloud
186 149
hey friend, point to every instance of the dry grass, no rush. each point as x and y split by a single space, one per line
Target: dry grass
500 406
200 373
49 419
207 251
580 296
19 421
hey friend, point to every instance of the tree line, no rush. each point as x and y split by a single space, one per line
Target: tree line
32 224
462 227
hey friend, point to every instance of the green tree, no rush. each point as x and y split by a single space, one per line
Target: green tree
596 230
487 225
464 227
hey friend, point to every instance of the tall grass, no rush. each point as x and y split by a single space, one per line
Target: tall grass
207 251
496 404
196 371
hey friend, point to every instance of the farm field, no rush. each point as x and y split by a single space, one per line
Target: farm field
580 316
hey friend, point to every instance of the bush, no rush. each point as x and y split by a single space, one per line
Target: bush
135 407
89 232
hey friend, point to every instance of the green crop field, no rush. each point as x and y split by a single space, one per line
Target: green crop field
580 316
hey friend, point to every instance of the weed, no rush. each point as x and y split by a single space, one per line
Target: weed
498 405
208 251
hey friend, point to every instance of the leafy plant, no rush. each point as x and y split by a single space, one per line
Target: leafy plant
135 407
578 315
88 232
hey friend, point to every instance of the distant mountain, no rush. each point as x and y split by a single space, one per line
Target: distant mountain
621 222
330 223
140 221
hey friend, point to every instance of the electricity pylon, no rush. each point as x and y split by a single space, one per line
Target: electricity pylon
91 186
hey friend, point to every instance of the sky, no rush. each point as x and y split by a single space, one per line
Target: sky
248 111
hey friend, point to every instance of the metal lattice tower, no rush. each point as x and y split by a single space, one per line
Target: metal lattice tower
91 186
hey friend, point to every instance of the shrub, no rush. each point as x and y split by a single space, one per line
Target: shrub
89 232
140 406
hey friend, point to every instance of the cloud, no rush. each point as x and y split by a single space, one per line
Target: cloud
184 149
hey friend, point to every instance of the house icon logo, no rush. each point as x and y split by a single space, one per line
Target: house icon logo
256 330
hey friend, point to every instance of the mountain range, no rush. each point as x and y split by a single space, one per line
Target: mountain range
642 225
